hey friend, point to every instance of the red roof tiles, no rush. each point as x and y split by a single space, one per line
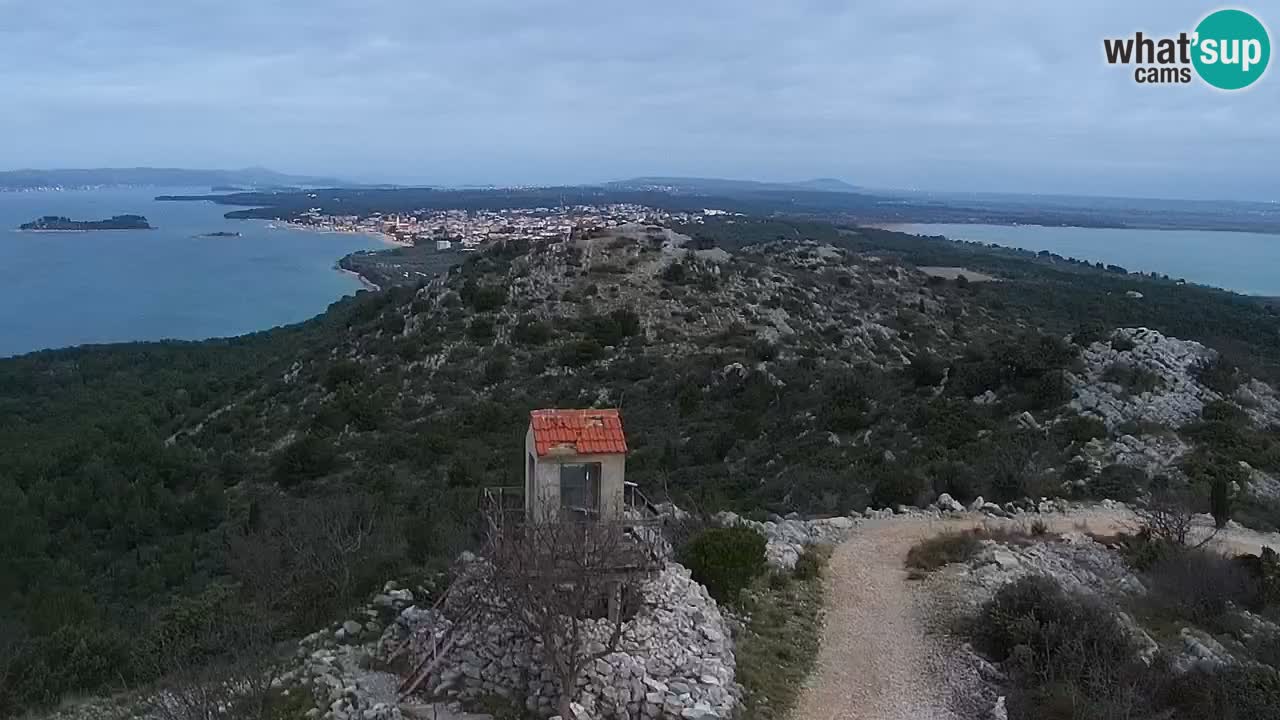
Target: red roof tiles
582 432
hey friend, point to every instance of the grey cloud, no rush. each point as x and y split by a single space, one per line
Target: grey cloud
934 94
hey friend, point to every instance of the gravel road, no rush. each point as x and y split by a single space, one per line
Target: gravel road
876 661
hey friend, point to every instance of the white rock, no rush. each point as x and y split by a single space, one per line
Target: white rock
998 712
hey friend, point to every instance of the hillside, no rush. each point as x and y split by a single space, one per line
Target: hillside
760 366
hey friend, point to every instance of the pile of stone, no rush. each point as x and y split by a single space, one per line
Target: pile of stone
334 664
339 683
674 660
786 538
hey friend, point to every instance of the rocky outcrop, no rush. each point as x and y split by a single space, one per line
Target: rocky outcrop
786 538
1200 651
1077 562
675 658
1177 401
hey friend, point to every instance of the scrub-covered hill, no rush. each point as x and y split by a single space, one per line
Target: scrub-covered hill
759 366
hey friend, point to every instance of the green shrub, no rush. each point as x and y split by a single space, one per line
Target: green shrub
579 353
944 549
895 487
1078 429
483 299
531 331
1118 482
497 369
1122 343
304 459
1218 375
613 328
1132 378
1234 693
1264 570
1200 585
1224 411
726 560
1049 638
927 369
480 329
810 563
343 372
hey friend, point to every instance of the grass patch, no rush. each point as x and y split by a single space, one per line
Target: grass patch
944 549
778 650
964 545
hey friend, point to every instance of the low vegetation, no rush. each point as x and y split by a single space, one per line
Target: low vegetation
1070 657
783 632
725 560
961 546
944 549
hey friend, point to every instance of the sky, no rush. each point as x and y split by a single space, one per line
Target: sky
1001 95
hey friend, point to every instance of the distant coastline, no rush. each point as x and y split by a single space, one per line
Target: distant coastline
384 237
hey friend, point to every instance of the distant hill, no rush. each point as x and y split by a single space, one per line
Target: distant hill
255 177
721 185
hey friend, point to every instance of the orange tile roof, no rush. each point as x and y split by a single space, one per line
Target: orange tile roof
583 432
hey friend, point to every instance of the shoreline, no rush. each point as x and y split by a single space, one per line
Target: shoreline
383 237
366 282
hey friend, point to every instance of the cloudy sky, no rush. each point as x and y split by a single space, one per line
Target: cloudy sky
1002 95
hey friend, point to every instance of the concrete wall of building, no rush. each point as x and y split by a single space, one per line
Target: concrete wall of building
542 488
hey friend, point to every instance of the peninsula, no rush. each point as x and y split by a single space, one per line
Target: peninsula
50 223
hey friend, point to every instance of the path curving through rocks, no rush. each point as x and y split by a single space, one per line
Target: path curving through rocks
876 661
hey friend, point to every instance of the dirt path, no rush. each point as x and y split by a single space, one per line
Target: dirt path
876 662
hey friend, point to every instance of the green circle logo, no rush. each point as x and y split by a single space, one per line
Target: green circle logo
1232 49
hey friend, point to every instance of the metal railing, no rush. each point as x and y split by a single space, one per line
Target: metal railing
507 503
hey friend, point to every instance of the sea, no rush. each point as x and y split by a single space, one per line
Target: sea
64 289
1247 263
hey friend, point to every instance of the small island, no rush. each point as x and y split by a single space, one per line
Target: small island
220 233
56 223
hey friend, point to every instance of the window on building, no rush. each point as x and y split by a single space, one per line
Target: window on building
580 490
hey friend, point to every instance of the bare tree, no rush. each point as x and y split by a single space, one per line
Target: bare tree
237 685
561 581
310 557
1169 518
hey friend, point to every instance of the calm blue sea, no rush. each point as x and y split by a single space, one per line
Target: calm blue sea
1247 263
61 289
